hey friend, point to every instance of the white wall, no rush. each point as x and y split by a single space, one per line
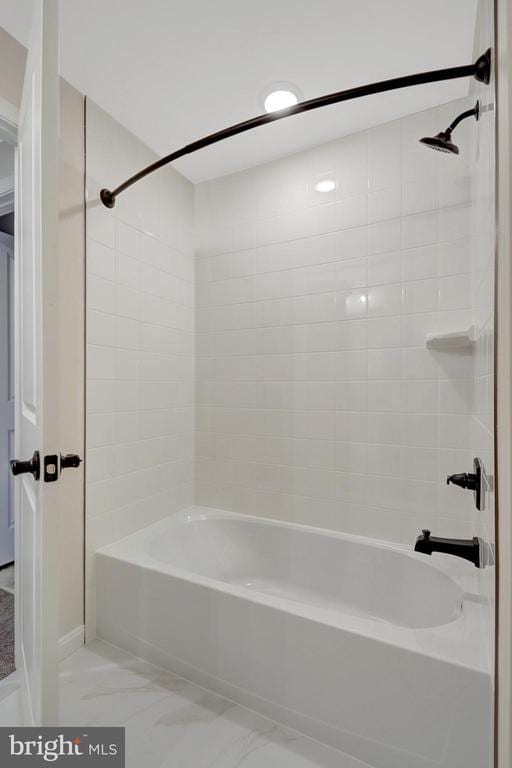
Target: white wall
6 160
72 349
13 56
140 342
317 400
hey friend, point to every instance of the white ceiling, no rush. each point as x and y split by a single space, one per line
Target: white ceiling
174 71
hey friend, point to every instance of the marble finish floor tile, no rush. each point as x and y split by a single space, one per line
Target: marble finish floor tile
8 685
171 723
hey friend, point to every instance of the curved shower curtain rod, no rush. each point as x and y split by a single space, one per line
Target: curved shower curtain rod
480 70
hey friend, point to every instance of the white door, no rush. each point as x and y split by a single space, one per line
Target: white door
6 397
37 373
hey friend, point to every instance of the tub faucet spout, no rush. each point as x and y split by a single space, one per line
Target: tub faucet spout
469 549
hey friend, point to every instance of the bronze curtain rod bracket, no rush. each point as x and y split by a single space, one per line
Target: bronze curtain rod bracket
480 70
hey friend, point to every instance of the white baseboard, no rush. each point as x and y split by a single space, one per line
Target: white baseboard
71 642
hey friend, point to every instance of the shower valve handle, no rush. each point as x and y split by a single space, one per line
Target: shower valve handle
472 481
463 480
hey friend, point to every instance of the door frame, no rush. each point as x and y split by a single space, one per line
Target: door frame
503 382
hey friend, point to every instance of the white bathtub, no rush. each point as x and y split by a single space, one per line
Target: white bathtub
366 646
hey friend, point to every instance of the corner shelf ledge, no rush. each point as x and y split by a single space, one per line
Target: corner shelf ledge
452 339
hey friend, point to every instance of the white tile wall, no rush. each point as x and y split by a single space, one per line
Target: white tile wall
140 342
303 323
317 400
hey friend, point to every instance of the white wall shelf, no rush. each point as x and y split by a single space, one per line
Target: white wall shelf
452 339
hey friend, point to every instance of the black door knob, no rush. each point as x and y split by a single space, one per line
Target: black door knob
70 460
32 465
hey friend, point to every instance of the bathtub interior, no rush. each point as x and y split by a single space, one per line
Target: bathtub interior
318 568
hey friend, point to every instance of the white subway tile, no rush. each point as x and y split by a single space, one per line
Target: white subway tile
384 396
101 225
420 229
455 292
101 328
384 268
384 491
384 332
384 236
385 460
420 430
127 239
420 263
351 395
100 259
456 396
384 300
351 457
421 464
352 165
100 362
351 426
384 204
384 156
455 187
415 328
350 365
349 212
384 428
454 223
100 430
420 195
454 257
384 364
100 294
420 496
420 296
101 395
454 431
420 396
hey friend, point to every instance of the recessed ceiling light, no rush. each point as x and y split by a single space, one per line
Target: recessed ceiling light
280 99
325 185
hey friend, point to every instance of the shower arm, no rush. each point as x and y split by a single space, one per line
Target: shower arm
480 70
474 112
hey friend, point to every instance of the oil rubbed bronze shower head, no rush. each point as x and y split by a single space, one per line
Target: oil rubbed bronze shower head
442 141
